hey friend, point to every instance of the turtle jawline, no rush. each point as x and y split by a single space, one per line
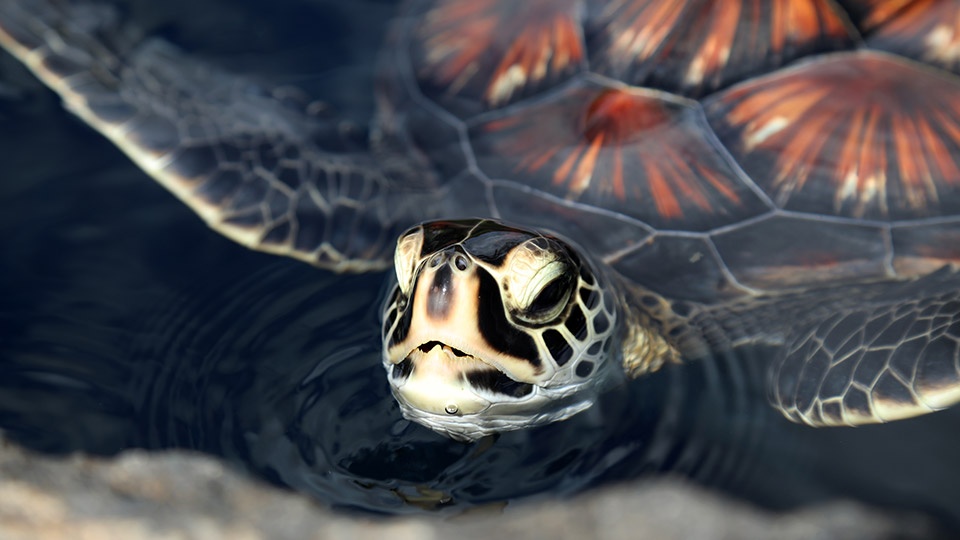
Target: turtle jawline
428 346
483 375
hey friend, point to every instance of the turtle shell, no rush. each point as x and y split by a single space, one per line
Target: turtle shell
705 149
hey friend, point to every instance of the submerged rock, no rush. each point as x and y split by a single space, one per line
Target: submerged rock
164 495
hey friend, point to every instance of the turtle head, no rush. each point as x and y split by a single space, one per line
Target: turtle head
492 328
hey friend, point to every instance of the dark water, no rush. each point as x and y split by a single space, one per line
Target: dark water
126 323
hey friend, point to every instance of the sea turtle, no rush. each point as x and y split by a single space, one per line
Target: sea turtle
586 191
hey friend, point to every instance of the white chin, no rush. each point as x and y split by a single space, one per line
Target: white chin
499 417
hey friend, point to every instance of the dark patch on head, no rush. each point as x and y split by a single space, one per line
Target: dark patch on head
568 249
590 297
559 349
601 323
584 368
483 226
487 240
595 348
577 323
440 235
496 330
403 325
403 369
493 246
497 381
586 275
440 295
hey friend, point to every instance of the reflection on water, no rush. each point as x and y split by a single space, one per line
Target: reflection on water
127 323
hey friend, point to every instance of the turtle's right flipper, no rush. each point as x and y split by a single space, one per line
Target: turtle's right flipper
247 163
896 356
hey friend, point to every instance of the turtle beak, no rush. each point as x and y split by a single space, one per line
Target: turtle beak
440 386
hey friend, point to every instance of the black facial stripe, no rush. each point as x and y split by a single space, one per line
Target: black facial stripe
584 368
601 323
403 369
494 327
577 323
403 325
496 381
590 297
493 246
585 275
559 349
443 234
440 294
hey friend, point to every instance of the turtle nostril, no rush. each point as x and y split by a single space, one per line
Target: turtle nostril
436 260
461 262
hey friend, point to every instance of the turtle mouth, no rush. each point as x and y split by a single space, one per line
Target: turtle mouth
404 368
428 346
449 363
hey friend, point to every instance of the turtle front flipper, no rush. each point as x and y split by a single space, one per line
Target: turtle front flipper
895 357
252 166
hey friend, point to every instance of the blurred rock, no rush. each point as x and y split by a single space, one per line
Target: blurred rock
177 495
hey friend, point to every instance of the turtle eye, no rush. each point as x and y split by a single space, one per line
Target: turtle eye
546 294
551 299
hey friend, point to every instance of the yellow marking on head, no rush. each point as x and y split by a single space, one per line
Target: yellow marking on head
406 256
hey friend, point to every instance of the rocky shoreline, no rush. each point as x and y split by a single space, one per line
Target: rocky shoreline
179 495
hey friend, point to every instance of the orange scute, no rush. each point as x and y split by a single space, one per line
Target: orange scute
620 116
858 134
626 149
495 50
927 30
697 46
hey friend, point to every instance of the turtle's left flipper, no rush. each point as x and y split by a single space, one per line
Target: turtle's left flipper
252 166
897 356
